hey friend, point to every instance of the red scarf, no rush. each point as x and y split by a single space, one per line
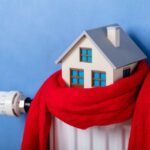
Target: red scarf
83 108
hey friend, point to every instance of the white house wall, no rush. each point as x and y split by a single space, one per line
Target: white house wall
118 73
99 63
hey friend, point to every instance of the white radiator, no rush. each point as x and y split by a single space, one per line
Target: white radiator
66 137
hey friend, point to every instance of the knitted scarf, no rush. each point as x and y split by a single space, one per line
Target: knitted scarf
82 108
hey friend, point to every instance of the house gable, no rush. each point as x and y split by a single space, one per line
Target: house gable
99 63
71 47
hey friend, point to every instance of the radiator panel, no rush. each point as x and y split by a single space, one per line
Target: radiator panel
66 137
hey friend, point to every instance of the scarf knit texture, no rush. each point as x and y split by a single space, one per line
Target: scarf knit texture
83 108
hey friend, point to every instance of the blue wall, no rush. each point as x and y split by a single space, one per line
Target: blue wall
33 33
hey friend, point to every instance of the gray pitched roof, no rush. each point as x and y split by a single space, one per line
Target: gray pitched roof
128 52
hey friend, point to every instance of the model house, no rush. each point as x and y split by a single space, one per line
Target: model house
99 57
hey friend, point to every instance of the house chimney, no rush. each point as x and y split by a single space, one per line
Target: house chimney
113 34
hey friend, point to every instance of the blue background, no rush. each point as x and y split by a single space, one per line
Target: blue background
33 33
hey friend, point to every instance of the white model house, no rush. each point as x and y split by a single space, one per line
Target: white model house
99 57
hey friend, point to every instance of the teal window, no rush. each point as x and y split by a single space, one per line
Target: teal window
126 72
77 77
86 55
98 78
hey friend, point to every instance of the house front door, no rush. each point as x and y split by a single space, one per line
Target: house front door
76 77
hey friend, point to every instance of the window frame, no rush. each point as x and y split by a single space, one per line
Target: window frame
86 55
126 68
98 79
76 77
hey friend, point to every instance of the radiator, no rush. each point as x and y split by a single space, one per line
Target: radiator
66 137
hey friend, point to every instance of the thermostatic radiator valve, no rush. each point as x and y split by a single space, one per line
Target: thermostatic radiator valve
13 103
